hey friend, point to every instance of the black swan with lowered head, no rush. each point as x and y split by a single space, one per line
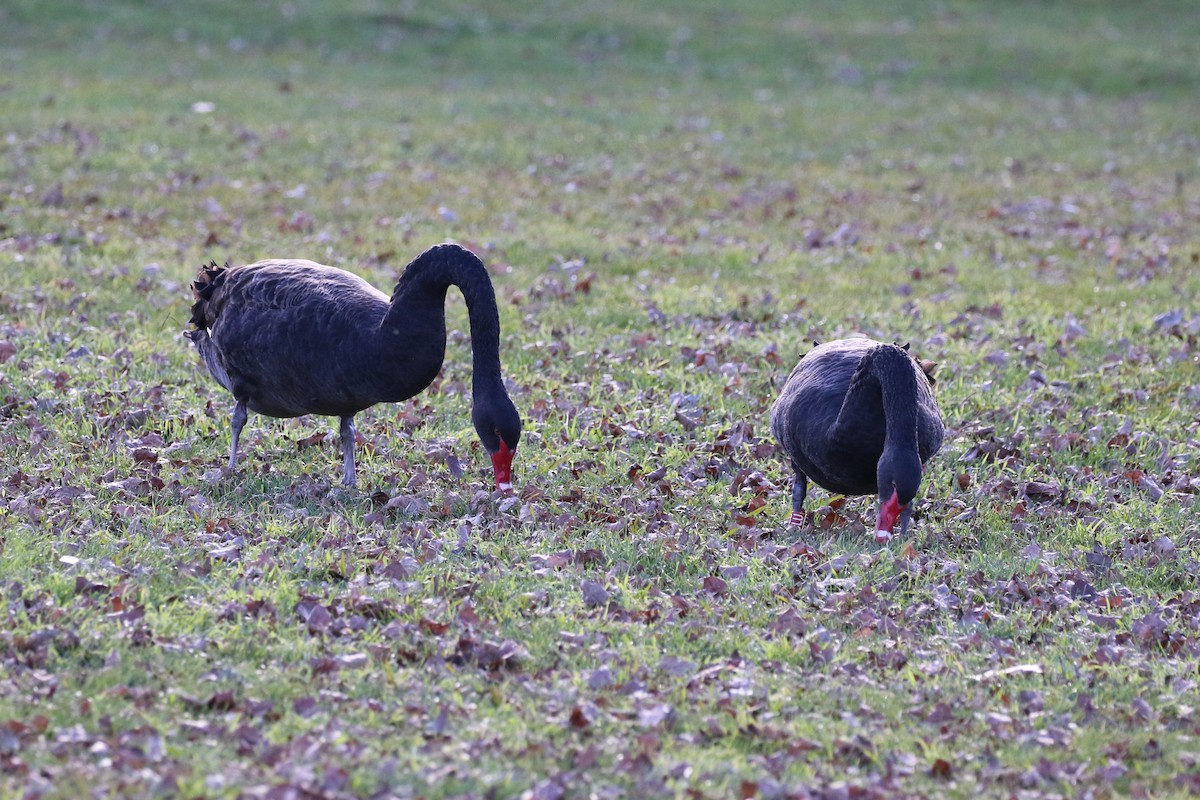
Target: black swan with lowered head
858 417
290 337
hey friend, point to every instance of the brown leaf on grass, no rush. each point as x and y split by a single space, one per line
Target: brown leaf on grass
1163 546
857 750
656 475
36 726
745 520
311 441
1098 560
85 585
254 609
324 665
1041 490
589 557
66 494
135 485
466 613
584 284
734 572
789 622
315 616
940 713
594 594
400 569
1149 485
223 701
830 518
455 466
429 626
753 480
218 701
601 678
231 552
1141 710
1152 633
411 505
941 769
573 496
580 718
687 422
7 350
305 706
715 586
491 656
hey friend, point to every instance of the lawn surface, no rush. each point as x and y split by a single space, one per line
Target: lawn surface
675 199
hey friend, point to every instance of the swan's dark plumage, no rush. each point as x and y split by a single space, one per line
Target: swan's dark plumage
292 337
858 416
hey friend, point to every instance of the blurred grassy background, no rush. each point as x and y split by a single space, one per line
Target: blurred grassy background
675 201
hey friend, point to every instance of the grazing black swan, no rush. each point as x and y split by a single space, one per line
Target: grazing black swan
289 337
858 416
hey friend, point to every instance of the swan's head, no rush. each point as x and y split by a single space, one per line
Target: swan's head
899 476
499 427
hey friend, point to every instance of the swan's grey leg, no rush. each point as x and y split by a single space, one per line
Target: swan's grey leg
239 422
799 492
905 519
347 433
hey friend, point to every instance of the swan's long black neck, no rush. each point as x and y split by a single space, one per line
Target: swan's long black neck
422 289
894 369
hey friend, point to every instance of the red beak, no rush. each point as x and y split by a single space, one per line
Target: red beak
502 466
889 511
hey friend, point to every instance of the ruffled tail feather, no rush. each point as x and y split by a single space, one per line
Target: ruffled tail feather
208 280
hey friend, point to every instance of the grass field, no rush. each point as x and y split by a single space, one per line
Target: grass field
675 199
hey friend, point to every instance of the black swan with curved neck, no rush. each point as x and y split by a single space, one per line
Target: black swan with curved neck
858 417
291 337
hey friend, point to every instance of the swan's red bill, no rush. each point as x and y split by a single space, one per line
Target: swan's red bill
889 512
502 466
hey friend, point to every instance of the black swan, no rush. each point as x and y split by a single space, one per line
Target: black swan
858 416
291 337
